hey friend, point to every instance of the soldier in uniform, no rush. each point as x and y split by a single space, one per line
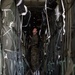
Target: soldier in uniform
34 50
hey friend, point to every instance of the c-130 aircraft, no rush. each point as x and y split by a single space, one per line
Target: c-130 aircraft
18 21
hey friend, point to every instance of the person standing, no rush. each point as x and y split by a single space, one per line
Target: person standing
35 52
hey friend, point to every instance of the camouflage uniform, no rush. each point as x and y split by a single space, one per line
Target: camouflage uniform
34 53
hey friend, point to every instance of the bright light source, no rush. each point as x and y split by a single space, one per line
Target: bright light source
58 56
